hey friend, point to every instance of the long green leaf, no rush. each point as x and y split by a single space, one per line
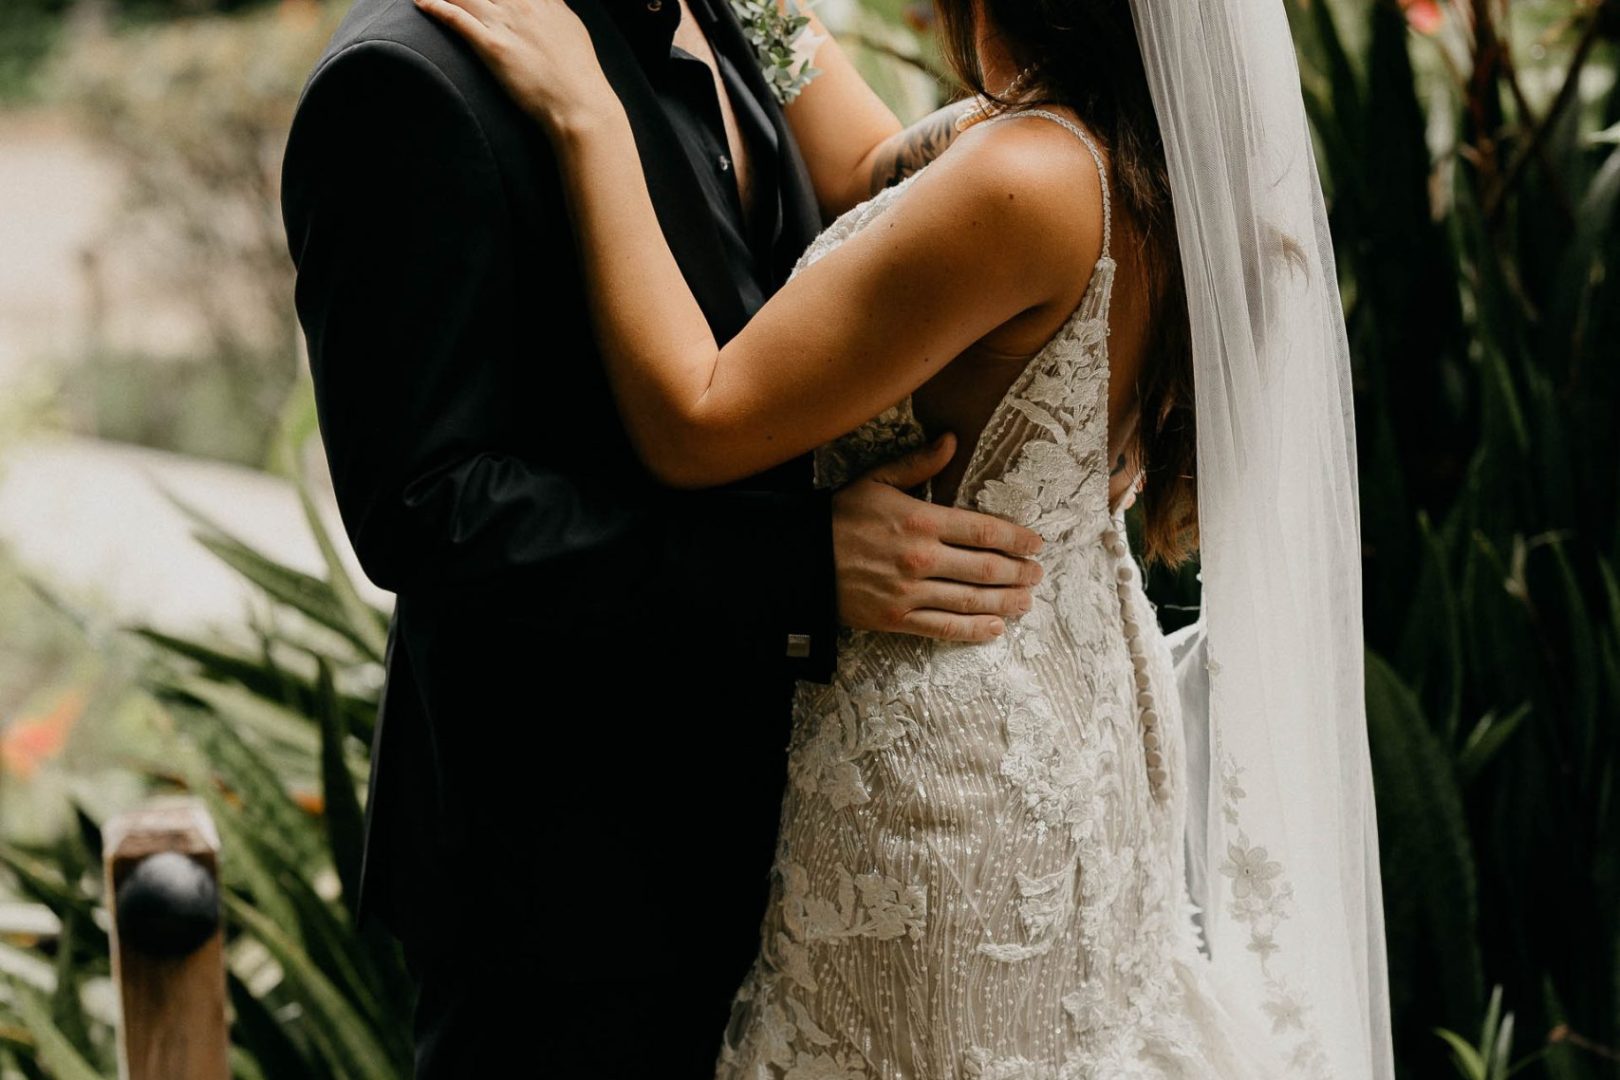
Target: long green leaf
345 821
266 805
1468 1060
1428 866
369 626
270 1041
55 1050
1487 739
341 1029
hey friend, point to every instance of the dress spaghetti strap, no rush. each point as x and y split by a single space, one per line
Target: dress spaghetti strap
1096 156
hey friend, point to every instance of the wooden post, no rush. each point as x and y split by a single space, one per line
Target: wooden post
168 946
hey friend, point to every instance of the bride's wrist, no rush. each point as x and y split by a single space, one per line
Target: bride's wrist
578 126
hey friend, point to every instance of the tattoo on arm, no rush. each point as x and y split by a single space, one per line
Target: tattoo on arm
916 146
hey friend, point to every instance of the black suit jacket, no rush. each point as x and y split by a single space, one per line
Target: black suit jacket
582 736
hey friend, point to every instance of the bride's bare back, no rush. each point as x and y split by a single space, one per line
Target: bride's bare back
962 397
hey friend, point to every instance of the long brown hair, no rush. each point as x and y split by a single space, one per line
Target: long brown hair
1083 54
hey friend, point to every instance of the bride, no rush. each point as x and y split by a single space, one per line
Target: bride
980 870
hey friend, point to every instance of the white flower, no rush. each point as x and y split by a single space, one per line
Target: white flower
843 786
1264 945
795 962
1251 874
1285 1013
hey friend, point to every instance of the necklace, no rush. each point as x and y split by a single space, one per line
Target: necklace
983 108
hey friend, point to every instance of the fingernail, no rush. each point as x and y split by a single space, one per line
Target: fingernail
998 628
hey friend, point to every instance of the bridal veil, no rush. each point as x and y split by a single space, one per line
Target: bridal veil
1284 860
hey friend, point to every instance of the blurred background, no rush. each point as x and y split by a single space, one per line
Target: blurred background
179 609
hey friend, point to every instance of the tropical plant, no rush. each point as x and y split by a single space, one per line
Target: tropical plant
1491 1057
274 742
1472 201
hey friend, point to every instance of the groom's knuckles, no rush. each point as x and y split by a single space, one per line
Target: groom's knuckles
917 560
919 520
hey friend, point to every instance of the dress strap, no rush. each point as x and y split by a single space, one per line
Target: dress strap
1108 222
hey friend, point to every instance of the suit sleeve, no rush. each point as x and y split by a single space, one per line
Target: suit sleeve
399 227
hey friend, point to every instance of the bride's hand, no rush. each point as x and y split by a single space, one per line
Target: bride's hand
540 51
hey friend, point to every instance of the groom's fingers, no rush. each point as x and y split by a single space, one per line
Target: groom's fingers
478 9
967 528
948 626
456 18
951 596
983 567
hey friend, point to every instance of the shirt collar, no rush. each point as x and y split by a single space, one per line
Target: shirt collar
648 25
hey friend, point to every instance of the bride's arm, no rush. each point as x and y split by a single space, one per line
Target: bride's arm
853 144
980 238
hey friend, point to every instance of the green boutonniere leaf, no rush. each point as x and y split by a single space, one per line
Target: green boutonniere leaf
783 43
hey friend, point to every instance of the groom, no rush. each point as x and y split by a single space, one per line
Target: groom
579 760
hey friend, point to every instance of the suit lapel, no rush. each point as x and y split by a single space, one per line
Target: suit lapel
683 212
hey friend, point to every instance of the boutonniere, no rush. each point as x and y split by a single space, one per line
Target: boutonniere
784 45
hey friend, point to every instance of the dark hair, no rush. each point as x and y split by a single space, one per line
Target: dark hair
1083 54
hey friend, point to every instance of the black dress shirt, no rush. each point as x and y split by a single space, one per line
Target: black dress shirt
686 92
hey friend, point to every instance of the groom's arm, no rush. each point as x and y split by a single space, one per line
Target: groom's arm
398 223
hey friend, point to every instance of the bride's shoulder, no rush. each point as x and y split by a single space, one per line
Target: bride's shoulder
1029 183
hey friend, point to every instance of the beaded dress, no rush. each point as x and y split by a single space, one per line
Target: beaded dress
979 870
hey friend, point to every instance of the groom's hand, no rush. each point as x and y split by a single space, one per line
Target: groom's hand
908 566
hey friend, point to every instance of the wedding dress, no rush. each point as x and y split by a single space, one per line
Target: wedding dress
980 868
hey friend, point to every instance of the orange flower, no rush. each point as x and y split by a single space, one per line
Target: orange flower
299 13
1424 16
27 744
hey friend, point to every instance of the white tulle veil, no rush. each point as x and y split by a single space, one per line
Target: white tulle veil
1284 852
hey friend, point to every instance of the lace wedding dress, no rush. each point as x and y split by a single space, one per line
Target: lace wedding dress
979 874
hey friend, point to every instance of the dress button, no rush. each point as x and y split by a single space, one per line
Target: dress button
655 6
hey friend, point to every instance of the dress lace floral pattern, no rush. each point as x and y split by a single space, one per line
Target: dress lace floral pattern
973 880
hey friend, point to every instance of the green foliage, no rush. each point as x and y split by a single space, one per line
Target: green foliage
28 31
1475 228
1491 1057
274 742
783 43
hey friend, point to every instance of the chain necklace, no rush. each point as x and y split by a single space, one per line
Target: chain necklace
985 108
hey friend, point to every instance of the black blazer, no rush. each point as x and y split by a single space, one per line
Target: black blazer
587 675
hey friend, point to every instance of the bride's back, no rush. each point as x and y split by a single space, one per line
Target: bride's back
965 393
